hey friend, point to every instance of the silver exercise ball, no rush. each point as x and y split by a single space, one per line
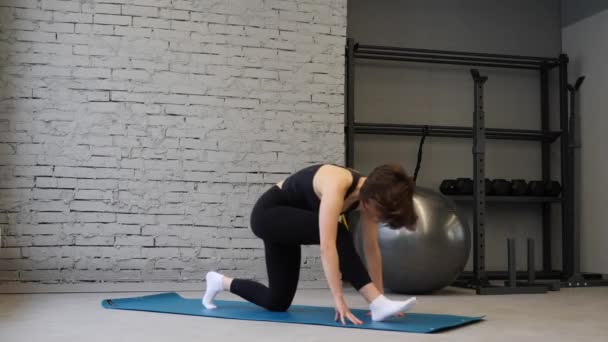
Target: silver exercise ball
428 258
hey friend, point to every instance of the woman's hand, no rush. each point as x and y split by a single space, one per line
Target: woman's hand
342 312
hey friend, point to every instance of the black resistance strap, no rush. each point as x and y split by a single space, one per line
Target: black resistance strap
425 132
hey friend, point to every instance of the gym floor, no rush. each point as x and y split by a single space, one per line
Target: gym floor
567 315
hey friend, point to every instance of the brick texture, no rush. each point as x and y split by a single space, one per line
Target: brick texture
135 135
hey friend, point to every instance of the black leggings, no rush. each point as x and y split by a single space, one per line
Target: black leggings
284 228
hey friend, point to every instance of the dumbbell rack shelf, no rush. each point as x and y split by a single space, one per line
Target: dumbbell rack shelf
479 278
509 199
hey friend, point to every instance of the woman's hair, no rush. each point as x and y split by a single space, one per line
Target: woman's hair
392 191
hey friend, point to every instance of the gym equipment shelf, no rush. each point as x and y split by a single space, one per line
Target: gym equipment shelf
454 131
570 275
390 53
509 199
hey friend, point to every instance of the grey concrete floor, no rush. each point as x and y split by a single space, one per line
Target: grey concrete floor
568 315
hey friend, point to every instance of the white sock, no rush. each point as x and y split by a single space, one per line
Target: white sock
214 286
382 307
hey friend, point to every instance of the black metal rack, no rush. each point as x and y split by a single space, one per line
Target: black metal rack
454 131
570 274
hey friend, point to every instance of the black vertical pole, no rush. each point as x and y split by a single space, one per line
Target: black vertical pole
545 166
531 268
575 241
349 102
566 177
573 145
479 136
512 264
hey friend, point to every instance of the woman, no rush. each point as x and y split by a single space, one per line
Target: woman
308 208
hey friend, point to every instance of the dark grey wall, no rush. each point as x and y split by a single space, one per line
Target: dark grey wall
514 26
576 10
443 95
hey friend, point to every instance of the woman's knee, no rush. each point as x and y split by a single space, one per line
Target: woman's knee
277 304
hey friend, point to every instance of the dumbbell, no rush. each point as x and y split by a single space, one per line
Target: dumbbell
464 186
552 188
519 187
544 188
448 187
536 188
489 189
460 186
501 187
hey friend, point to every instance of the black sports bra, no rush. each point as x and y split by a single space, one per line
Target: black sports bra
301 193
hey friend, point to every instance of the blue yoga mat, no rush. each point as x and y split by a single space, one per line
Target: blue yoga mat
302 314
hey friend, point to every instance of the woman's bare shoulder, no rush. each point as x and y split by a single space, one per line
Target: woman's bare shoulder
332 176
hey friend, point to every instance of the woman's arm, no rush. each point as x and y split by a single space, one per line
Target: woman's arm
373 257
332 184
331 204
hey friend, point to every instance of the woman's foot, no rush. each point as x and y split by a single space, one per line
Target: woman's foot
382 307
215 284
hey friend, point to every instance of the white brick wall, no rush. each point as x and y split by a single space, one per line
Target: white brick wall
135 135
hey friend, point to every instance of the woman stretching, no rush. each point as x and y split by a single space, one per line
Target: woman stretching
308 208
